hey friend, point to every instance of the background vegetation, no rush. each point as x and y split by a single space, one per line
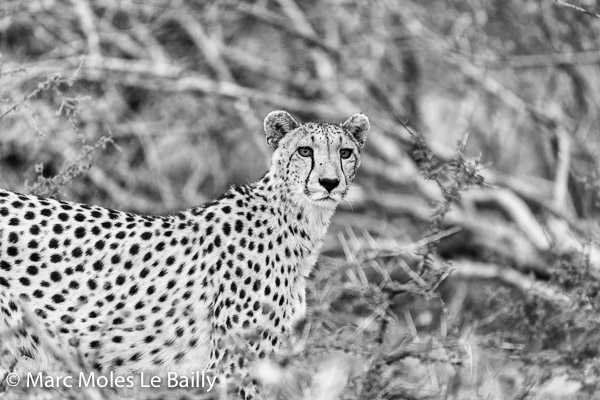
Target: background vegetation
466 264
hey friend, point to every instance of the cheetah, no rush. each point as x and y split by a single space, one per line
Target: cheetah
129 293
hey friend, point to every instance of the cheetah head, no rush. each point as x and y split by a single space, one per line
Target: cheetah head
316 161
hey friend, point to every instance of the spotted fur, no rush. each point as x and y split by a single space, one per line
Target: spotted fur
130 293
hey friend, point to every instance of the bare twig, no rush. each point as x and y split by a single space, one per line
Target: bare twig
543 60
518 212
50 186
275 20
86 18
561 177
208 45
45 85
578 8
527 285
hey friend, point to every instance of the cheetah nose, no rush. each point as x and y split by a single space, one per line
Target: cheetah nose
329 184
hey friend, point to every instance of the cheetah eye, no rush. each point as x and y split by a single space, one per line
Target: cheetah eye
345 153
305 151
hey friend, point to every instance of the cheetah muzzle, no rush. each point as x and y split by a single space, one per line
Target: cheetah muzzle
130 293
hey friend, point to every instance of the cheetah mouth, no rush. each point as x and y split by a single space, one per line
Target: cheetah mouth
323 200
326 200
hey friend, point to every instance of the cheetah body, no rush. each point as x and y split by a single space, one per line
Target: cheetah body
131 293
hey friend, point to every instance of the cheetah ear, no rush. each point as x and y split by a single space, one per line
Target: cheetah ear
358 126
277 124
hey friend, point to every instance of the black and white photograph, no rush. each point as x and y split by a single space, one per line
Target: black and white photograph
299 200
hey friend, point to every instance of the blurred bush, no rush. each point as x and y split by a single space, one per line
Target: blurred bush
183 86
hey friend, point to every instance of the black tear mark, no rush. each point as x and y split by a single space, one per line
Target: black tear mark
312 166
343 172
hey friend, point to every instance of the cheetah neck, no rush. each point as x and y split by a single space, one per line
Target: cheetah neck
306 221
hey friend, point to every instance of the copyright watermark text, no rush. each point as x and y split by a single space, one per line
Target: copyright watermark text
197 379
